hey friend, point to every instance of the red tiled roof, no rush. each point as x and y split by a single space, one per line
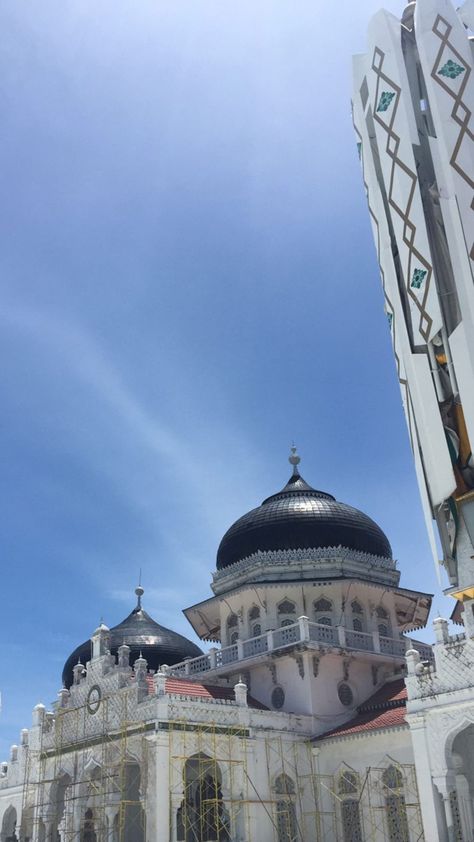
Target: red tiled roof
184 687
385 709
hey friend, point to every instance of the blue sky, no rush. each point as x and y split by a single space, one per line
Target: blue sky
188 283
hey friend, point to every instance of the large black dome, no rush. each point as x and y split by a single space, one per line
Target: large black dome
299 517
158 644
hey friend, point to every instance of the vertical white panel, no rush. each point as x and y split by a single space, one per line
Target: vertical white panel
396 131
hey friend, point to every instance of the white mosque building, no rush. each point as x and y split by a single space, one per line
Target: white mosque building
293 726
314 713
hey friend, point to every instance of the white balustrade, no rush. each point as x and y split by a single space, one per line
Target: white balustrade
319 632
359 640
392 645
286 635
301 631
255 645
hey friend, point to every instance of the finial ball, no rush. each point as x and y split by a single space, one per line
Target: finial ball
294 459
139 591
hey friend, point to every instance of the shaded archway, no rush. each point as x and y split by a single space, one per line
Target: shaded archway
61 806
8 832
202 816
132 819
460 760
286 824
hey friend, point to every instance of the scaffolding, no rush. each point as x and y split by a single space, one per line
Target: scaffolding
87 779
378 805
91 777
208 782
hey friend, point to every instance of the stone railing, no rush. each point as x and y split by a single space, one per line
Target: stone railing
303 631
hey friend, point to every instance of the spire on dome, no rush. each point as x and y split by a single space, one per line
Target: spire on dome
139 592
294 460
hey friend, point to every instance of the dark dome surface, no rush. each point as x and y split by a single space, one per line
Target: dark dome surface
158 644
300 517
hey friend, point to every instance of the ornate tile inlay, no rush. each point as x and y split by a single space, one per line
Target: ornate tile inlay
418 278
385 100
451 69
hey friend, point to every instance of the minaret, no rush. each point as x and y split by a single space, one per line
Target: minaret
417 157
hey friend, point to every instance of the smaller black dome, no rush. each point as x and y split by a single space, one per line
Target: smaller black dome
157 644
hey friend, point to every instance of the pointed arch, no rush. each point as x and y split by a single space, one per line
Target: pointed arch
285 808
357 616
286 611
255 626
392 780
323 611
232 628
202 816
8 832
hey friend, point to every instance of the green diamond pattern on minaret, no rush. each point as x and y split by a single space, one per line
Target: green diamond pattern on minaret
451 69
385 100
418 278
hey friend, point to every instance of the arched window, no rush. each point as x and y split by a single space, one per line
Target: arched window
62 806
395 806
383 627
255 627
232 631
322 609
357 615
350 813
132 813
347 783
284 790
88 833
286 611
202 816
9 825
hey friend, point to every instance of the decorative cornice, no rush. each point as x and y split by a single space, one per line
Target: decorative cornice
279 558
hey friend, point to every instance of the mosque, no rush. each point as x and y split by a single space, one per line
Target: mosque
314 713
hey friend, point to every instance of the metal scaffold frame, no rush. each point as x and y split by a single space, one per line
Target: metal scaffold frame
208 781
379 805
88 774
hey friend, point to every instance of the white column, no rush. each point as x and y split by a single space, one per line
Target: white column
426 792
161 818
445 784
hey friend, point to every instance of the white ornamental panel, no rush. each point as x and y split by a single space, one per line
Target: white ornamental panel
416 383
446 59
395 129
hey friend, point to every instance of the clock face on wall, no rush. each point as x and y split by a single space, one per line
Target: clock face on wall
94 697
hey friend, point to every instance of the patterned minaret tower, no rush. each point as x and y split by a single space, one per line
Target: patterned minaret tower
413 99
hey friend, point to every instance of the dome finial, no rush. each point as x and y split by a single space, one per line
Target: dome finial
294 459
139 592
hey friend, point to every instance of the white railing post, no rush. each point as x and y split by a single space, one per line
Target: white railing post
240 649
376 639
270 641
304 628
212 658
187 667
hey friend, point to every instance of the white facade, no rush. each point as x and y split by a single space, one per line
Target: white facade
128 756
